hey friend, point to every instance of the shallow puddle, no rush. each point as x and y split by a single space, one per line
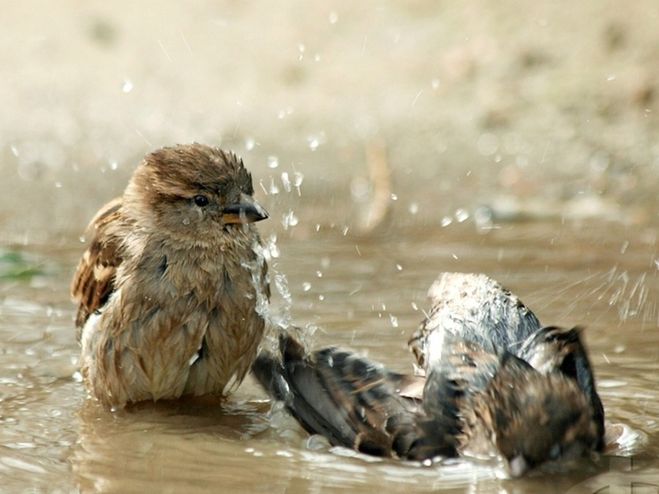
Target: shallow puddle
367 293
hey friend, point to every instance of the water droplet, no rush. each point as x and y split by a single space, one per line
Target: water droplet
435 84
446 221
127 86
281 284
58 185
297 181
612 77
333 17
461 215
399 267
306 286
313 143
394 320
414 208
186 221
414 306
321 297
315 140
273 187
319 274
273 162
271 250
14 150
249 143
289 220
114 165
285 181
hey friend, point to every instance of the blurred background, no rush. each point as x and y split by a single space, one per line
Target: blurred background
389 141
527 108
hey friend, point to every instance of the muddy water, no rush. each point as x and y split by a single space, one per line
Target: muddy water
364 292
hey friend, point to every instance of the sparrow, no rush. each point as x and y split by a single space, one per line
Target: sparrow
172 291
474 403
474 397
476 308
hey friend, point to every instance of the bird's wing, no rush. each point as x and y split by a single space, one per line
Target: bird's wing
554 349
350 400
93 281
464 370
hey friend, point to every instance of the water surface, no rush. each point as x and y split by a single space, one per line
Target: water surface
365 292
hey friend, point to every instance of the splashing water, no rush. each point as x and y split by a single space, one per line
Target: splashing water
289 220
277 316
297 181
274 190
286 181
461 215
273 162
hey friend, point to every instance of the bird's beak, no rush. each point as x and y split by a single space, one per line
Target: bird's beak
245 211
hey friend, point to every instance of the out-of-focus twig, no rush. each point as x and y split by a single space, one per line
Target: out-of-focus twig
379 207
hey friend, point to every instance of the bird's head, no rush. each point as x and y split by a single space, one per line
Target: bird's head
540 418
193 191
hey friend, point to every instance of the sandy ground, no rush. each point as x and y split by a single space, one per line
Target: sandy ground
527 107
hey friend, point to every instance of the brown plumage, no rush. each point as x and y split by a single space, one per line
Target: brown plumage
474 403
476 308
172 289
490 381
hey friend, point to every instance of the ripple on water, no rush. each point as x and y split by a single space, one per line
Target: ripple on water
53 438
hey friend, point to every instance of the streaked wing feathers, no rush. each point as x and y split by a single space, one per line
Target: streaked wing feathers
94 278
350 400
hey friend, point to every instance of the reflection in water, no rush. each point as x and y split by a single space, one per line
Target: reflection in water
364 292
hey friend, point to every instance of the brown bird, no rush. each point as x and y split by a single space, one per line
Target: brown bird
172 290
473 403
476 308
491 382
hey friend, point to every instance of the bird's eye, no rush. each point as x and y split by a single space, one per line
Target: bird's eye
200 200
